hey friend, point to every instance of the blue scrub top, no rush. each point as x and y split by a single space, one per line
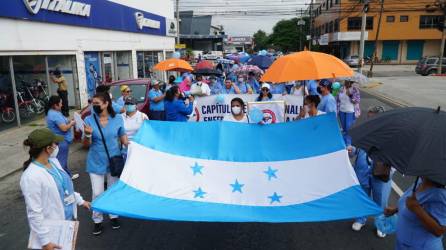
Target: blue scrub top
120 101
255 86
216 88
362 167
312 87
156 106
55 118
328 104
410 232
278 88
228 91
244 87
116 107
177 111
97 160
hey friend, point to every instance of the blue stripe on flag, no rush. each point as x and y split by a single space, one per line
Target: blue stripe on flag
122 199
228 141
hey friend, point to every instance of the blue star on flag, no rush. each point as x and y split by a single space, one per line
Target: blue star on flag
271 173
275 198
237 187
197 169
199 193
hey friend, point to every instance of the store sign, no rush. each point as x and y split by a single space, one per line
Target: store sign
142 22
98 14
240 40
323 40
180 46
171 27
348 36
64 6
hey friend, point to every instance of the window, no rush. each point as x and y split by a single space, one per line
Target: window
429 22
354 23
331 3
390 19
330 27
336 25
404 19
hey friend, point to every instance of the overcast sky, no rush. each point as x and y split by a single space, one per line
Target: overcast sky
244 17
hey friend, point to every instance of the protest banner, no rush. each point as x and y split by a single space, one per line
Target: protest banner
272 111
216 107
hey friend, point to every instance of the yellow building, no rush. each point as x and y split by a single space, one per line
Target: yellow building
409 28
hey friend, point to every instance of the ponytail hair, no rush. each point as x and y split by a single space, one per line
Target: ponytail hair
105 97
33 153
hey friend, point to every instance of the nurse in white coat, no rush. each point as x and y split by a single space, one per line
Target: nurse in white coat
47 188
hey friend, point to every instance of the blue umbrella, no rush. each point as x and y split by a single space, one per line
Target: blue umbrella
262 62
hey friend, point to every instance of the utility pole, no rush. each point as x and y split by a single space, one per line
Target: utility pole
311 26
370 74
362 42
178 20
443 7
300 23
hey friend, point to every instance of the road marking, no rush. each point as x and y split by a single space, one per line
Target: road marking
397 189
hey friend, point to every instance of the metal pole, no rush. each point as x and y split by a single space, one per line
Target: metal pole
14 91
178 20
311 26
442 42
300 39
370 74
362 41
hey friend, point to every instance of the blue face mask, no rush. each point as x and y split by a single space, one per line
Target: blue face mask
130 108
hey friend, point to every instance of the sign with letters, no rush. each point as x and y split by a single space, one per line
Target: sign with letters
106 15
216 107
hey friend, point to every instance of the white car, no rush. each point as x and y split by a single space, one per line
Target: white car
352 61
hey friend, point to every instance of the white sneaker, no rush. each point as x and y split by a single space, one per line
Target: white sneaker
357 226
380 234
74 176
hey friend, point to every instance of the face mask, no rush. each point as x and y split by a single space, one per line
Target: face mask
55 152
97 109
319 90
236 110
240 80
130 108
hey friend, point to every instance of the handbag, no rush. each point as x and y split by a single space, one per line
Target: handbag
116 162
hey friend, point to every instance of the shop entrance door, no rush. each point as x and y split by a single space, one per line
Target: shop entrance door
107 67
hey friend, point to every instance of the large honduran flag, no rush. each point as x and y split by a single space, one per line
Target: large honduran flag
231 172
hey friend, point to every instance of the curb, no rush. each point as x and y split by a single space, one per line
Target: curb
385 98
75 148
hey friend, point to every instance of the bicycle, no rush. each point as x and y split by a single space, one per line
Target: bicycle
37 104
26 109
8 114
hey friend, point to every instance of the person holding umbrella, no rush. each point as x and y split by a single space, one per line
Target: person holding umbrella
413 141
422 216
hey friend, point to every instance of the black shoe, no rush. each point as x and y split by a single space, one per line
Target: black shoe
97 230
115 223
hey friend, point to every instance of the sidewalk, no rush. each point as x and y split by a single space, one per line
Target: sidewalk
412 91
12 151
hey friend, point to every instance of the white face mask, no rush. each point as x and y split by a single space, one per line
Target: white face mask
236 110
55 152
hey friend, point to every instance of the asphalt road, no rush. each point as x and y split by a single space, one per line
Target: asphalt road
135 234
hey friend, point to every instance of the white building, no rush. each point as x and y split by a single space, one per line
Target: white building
88 41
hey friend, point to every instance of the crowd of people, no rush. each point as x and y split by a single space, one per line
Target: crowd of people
47 179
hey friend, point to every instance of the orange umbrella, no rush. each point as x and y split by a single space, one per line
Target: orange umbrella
205 64
173 64
306 65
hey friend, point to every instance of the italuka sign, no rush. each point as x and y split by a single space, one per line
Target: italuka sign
63 6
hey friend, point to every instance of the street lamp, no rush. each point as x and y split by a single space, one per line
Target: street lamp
300 23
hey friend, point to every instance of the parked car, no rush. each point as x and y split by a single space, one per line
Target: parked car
352 61
140 90
429 65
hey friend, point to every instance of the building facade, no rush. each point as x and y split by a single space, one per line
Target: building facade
409 29
90 42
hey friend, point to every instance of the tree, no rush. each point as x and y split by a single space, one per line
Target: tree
260 40
286 35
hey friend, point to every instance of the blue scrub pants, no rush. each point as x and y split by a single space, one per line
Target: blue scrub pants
62 156
347 121
380 192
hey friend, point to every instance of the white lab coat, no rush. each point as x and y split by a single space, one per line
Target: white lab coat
42 199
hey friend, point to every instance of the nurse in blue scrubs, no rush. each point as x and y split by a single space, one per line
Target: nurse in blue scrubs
421 217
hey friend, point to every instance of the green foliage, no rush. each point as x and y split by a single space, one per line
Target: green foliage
285 36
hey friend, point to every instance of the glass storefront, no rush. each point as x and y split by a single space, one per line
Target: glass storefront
146 61
7 104
33 87
123 65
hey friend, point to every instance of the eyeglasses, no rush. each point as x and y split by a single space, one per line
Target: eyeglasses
128 91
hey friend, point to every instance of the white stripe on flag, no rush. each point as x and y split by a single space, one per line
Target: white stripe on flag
296 181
